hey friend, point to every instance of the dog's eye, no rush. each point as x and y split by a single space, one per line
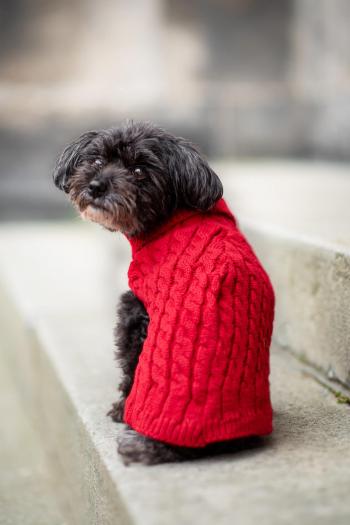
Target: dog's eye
138 171
97 162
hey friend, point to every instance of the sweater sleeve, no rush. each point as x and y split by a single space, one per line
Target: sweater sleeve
173 380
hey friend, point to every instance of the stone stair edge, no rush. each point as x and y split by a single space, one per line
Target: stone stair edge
38 377
106 487
284 235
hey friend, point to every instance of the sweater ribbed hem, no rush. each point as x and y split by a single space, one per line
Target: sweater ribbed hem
191 434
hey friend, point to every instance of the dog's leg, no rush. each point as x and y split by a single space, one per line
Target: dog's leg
130 333
136 448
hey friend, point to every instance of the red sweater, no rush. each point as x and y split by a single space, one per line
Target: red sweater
203 374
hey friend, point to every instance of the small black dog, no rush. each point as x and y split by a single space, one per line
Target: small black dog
131 179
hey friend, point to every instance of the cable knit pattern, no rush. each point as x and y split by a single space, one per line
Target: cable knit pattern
203 373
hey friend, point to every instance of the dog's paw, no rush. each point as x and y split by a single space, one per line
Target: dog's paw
135 448
117 411
132 447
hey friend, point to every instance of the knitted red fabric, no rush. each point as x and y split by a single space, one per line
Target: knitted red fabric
203 374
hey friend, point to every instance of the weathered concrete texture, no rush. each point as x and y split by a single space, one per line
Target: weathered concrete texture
313 294
82 488
27 491
58 319
297 217
304 200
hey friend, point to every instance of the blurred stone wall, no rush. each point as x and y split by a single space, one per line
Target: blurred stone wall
250 77
320 74
239 77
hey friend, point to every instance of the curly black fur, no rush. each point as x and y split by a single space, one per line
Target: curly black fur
130 333
135 448
131 179
139 173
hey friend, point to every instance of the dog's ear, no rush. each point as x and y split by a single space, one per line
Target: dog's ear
69 159
196 184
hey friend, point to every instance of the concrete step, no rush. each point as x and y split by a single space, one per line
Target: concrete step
27 490
59 285
297 217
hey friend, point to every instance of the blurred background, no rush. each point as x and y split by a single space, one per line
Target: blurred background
241 78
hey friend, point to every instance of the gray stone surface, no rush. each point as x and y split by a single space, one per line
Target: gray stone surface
58 288
307 201
27 490
297 217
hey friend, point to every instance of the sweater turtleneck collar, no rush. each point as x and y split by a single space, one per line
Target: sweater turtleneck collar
138 241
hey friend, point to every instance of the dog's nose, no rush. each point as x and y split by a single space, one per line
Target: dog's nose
97 187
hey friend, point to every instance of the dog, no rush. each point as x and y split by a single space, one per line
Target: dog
144 182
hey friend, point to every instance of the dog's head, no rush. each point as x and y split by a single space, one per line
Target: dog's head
133 177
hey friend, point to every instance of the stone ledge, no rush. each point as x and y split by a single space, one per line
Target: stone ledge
57 308
297 217
312 285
